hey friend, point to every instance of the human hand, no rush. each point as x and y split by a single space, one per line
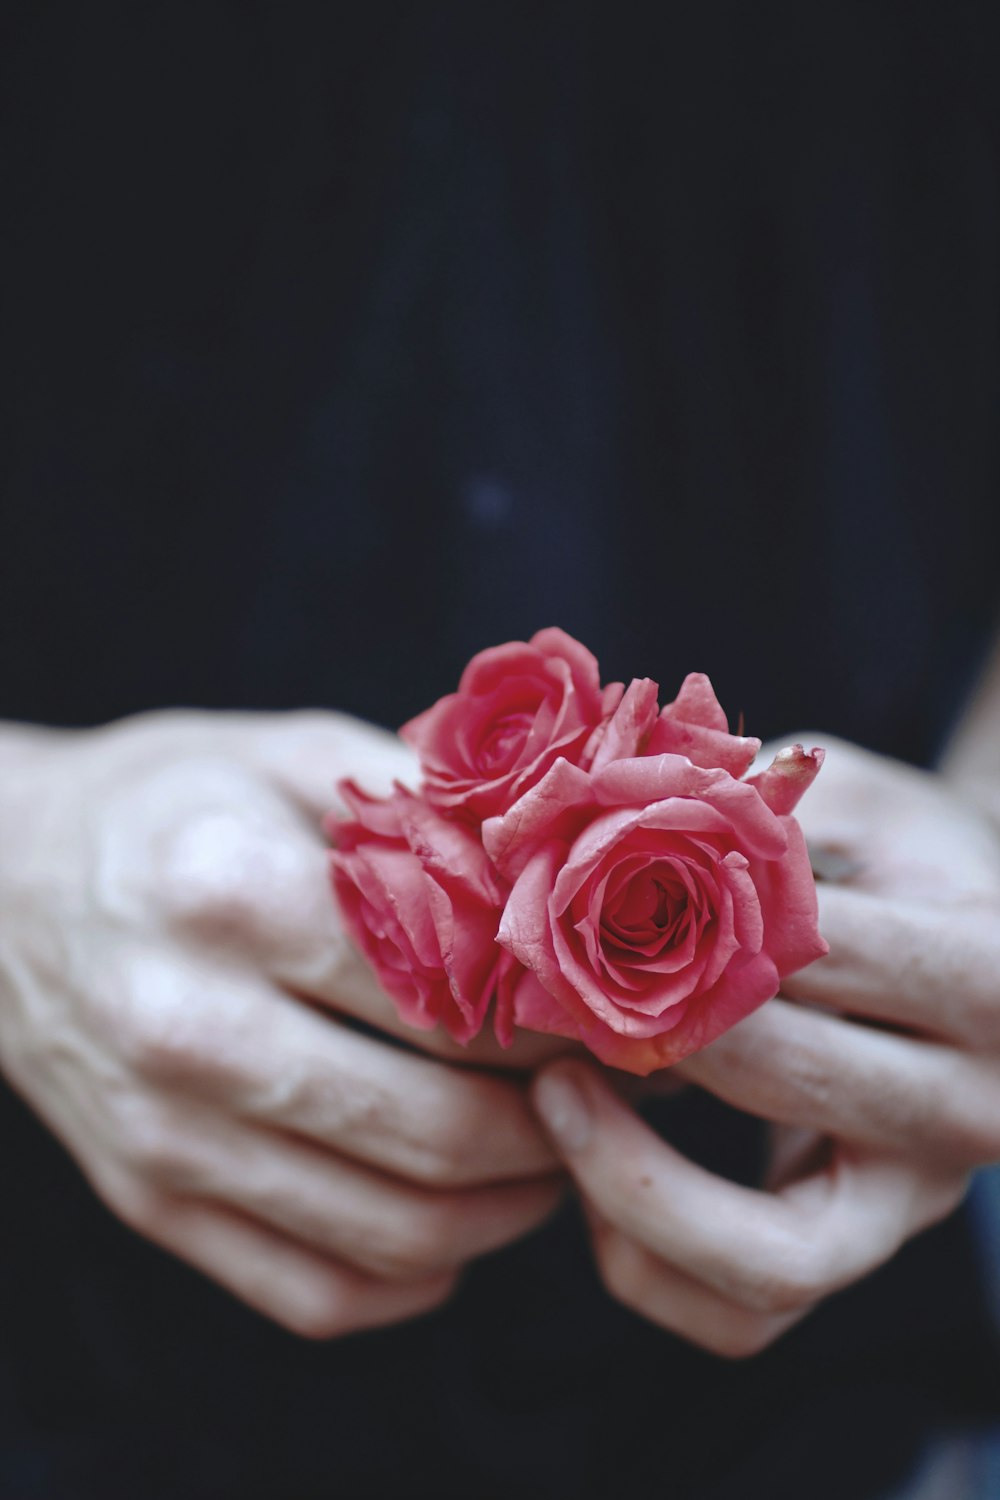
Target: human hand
880 1068
166 936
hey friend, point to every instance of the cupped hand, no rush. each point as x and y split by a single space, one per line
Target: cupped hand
176 996
879 1066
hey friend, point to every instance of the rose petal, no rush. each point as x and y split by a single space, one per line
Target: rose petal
787 894
630 726
695 725
645 781
554 808
381 815
704 747
696 703
535 1008
551 641
451 850
524 926
748 921
790 774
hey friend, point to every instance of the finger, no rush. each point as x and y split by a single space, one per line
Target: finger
306 1293
934 971
306 753
772 1253
803 1068
649 1286
230 1039
338 978
377 1224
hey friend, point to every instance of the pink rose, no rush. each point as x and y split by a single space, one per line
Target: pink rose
518 708
422 903
655 902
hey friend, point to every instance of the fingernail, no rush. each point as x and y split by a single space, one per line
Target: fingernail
564 1111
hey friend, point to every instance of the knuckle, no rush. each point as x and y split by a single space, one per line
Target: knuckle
971 1118
422 1242
214 876
456 1139
788 1277
320 1317
164 1037
151 1146
445 1155
338 1105
808 1074
310 1299
157 1021
739 1338
133 1202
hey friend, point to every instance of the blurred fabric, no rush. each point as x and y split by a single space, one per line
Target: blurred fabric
342 341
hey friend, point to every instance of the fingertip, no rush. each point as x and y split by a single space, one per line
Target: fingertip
562 1097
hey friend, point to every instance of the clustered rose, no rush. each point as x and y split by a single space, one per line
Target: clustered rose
579 861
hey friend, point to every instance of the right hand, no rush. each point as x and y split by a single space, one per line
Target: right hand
167 935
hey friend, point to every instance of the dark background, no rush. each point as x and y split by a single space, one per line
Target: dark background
339 342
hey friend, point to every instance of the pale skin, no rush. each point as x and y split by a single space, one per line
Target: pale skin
879 1068
176 997
174 993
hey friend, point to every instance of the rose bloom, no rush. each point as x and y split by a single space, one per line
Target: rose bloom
517 709
655 902
421 901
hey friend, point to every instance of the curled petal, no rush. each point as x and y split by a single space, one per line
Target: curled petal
554 808
697 704
627 731
695 725
649 779
787 894
790 774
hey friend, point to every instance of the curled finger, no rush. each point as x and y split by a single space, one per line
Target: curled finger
308 1294
375 1223
679 1303
773 1253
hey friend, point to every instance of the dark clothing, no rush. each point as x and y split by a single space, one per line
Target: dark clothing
342 342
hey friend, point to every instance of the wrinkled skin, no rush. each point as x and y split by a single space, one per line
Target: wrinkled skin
880 1068
175 993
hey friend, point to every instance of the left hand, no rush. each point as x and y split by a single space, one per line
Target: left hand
880 1068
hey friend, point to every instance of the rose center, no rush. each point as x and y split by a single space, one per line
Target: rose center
501 746
653 908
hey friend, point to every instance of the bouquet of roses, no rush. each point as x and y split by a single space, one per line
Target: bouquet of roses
579 861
